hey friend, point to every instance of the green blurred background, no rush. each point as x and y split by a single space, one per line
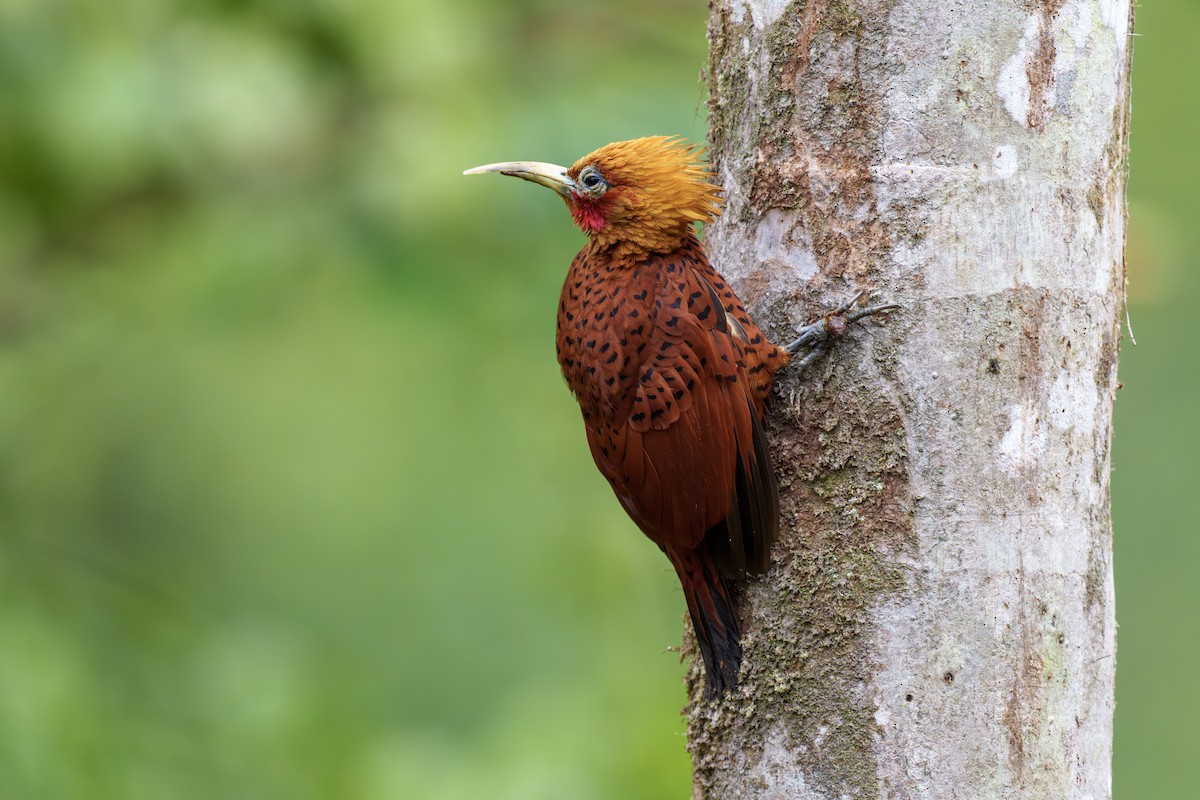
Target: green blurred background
293 503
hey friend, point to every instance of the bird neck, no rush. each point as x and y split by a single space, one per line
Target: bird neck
632 244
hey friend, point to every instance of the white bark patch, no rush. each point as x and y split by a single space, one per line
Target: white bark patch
1082 25
1072 404
1115 16
1024 440
777 770
763 12
1013 83
1004 163
1070 30
776 246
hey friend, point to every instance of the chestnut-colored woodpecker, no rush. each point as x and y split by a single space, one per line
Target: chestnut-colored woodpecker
670 372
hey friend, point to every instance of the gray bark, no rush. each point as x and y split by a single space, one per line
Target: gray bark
939 621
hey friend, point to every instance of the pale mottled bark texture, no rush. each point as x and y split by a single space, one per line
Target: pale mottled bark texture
939 619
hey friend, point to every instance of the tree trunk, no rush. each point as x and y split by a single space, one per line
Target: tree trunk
938 622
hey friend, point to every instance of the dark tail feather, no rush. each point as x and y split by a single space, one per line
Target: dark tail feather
741 543
713 620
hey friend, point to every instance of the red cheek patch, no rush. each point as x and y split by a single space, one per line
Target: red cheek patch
588 214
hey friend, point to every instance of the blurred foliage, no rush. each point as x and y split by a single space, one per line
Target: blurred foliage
292 500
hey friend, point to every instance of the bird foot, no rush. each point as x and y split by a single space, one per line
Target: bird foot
815 337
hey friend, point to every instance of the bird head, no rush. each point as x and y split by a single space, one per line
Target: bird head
645 193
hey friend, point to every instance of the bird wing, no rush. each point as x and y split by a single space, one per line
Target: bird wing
689 462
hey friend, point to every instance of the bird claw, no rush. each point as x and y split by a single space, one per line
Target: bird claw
815 337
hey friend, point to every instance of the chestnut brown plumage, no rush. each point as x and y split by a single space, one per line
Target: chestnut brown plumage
670 372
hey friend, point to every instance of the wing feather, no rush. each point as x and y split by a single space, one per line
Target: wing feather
690 462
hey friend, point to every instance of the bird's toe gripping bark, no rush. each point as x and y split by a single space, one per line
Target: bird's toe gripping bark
815 337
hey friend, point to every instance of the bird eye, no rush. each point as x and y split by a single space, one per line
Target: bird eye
591 179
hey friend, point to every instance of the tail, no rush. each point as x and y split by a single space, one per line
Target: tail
713 620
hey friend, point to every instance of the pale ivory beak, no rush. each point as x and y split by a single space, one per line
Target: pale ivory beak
549 175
